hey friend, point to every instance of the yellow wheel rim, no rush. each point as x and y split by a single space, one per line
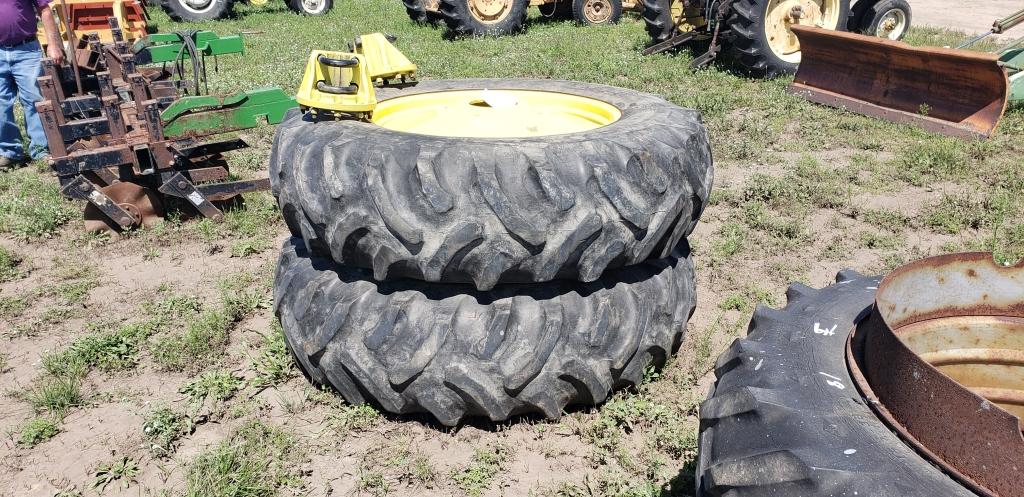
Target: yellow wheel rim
494 113
490 11
597 11
780 15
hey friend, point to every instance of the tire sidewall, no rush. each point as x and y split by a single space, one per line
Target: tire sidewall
514 22
872 16
216 10
777 65
663 8
300 8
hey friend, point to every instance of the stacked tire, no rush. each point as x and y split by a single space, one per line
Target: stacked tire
488 277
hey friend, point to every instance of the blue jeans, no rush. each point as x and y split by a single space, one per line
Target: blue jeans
19 68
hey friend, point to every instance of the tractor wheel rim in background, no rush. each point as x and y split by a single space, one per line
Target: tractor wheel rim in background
494 113
597 11
781 14
892 24
313 6
198 6
490 11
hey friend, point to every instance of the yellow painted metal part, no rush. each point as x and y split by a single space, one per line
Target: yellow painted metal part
383 60
494 113
322 76
781 15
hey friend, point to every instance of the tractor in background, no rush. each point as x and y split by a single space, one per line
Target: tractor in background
500 17
756 35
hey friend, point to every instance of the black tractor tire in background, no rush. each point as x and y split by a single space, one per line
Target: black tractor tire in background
658 19
461 22
559 11
179 11
579 12
876 12
748 46
419 14
317 8
785 418
488 211
411 347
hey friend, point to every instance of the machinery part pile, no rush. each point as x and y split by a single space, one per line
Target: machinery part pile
483 247
123 123
834 394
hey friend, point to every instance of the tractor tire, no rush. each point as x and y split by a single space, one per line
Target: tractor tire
748 45
785 418
183 10
559 11
658 19
413 347
418 12
488 211
596 12
462 20
878 15
310 7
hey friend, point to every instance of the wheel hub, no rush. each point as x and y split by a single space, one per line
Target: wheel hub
198 5
490 11
781 15
597 11
892 25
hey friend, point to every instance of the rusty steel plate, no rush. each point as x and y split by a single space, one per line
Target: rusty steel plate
953 92
141 202
941 360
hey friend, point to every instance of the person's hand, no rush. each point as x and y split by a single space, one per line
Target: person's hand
54 52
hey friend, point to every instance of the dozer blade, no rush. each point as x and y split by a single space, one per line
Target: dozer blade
947 91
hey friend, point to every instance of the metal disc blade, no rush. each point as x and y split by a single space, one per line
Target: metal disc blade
140 201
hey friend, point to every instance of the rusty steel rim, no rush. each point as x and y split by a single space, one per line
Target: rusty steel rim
941 360
597 11
142 203
490 11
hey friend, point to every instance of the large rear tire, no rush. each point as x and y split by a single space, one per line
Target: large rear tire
420 12
760 42
484 17
496 210
197 10
447 350
784 417
658 19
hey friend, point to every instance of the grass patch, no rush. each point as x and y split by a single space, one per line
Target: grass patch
123 470
163 428
217 385
353 418
202 341
273 363
36 431
56 395
31 205
13 307
487 462
257 461
10 265
114 350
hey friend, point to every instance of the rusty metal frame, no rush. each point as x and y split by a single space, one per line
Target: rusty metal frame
967 435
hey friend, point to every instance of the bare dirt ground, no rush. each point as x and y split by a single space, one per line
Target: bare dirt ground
968 16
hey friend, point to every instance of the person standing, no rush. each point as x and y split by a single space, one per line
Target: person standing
20 57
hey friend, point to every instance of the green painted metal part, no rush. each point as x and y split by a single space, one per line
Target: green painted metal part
204 115
166 47
1013 61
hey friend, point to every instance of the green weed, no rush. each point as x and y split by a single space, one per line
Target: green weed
217 385
11 265
487 462
256 461
273 363
124 470
36 431
162 429
56 395
31 205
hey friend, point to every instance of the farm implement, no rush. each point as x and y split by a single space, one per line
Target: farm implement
131 129
950 91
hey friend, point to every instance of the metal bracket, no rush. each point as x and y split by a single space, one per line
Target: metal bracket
82 189
179 186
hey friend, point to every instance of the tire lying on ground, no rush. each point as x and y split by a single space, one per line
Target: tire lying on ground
410 346
785 418
496 210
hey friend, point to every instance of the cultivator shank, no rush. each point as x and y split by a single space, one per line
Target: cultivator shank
134 139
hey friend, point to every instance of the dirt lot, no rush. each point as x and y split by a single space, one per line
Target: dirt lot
971 17
152 365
